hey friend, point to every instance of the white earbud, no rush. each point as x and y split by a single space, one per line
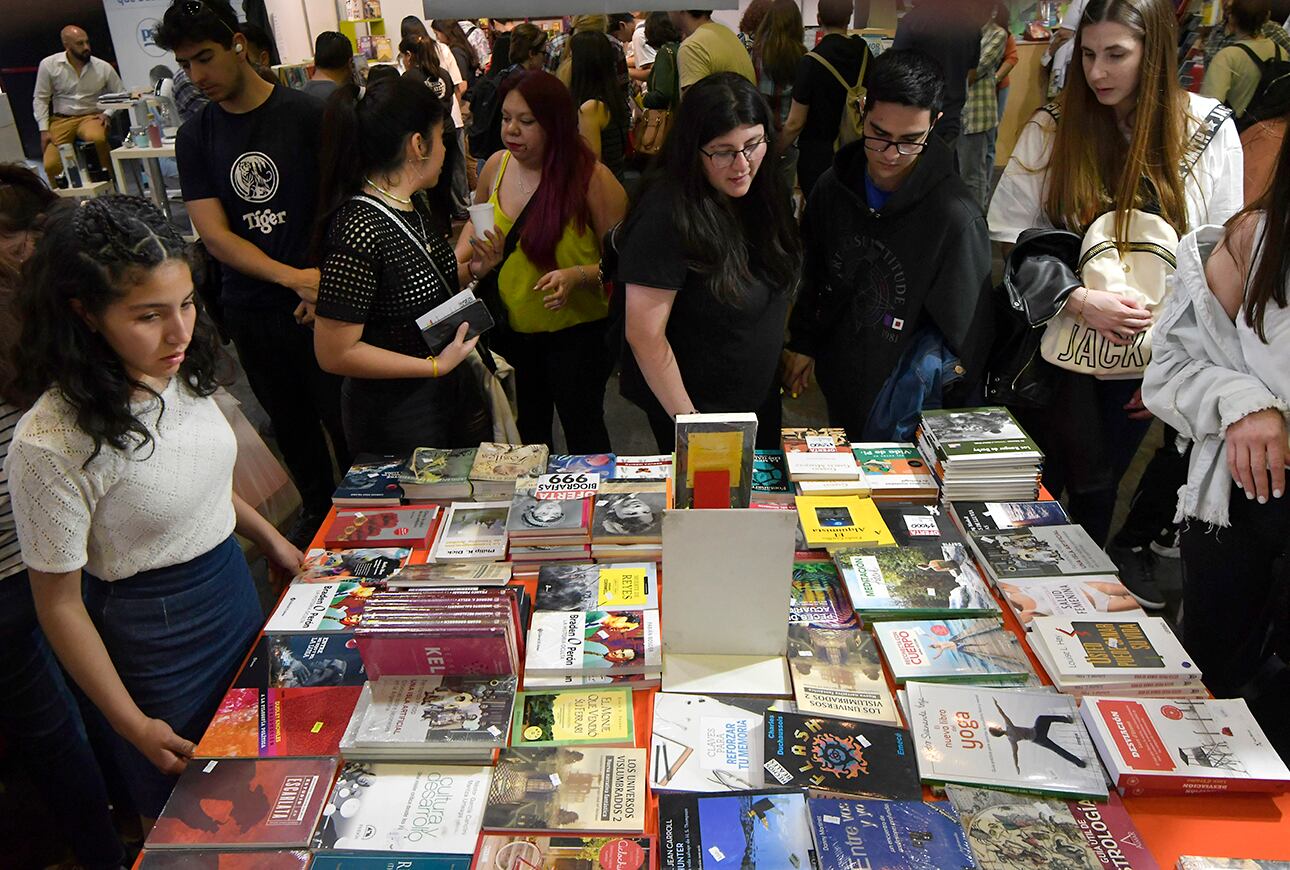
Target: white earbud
238 48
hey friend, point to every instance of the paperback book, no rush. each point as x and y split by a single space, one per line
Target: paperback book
593 641
629 512
534 520
498 466
451 574
770 476
838 672
707 744
434 473
529 852
651 467
1122 648
841 521
372 481
587 789
840 756
818 599
572 717
266 723
302 661
588 463
748 829
714 454
893 835
362 564
917 581
443 718
623 586
913 524
896 472
473 531
1041 551
1092 597
412 527
818 454
318 608
952 651
977 517
214 859
647 680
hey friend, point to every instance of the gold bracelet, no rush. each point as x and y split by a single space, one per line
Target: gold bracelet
434 362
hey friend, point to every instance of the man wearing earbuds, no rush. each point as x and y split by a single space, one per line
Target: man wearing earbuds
248 170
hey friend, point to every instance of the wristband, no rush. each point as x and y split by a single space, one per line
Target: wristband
435 363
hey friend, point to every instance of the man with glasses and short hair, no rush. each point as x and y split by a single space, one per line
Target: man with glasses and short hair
893 313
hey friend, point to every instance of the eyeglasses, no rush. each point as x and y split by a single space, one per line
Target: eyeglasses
726 159
198 9
904 149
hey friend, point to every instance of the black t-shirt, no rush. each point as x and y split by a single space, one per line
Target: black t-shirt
374 274
262 166
954 42
816 87
442 88
726 354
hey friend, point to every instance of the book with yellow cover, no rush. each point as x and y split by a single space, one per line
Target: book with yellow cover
570 717
842 521
721 443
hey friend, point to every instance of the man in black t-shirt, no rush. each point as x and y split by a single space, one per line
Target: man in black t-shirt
249 174
818 97
945 31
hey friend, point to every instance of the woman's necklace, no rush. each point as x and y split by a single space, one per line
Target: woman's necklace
385 193
524 188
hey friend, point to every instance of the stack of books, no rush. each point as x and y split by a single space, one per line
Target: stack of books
896 472
498 466
981 454
590 789
820 462
550 520
1115 655
627 520
602 642
432 474
395 526
574 717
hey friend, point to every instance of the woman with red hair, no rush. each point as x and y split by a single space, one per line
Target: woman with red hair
555 203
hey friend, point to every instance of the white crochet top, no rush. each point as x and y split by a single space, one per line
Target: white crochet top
128 511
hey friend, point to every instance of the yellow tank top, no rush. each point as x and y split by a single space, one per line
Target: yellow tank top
518 275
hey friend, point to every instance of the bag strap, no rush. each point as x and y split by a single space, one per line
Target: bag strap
1135 247
420 244
831 68
1204 134
1258 61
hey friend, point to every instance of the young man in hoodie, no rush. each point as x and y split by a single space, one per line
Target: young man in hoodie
893 314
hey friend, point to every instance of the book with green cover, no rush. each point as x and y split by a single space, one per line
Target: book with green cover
769 474
952 651
818 598
914 582
572 717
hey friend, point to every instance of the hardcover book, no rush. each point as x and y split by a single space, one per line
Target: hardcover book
840 756
1041 551
301 661
625 585
435 716
333 566
265 802
769 473
473 531
952 651
264 723
432 472
818 599
719 449
586 788
701 743
748 829
318 608
529 852
380 807
570 717
651 467
390 527
837 672
894 835
629 512
914 581
370 481
594 641
841 521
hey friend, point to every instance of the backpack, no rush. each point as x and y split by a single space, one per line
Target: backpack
851 127
1272 94
485 131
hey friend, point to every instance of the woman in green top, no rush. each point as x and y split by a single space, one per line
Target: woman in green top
663 88
550 284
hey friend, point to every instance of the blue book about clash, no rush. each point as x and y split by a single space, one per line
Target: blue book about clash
894 835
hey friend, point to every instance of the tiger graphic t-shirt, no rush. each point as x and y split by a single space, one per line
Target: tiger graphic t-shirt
262 166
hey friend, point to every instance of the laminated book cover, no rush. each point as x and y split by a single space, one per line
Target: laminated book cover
818 598
294 661
622 586
717 444
838 672
769 473
629 512
254 722
593 641
501 462
1014 739
993 516
912 524
388 861
650 467
1119 646
317 608
533 852
818 454
531 516
841 521
894 469
474 530
584 788
244 803
285 859
1042 551
745 830
570 717
432 466
391 526
332 566
707 744
370 480
921 580
840 755
1010 831
458 712
894 835
587 463
952 650
1092 597
974 432
392 807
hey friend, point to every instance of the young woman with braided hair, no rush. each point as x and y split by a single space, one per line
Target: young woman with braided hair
121 476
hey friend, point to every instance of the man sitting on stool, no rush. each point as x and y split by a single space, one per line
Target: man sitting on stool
68 86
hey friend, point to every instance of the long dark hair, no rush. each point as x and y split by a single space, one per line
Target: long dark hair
709 222
424 56
368 136
779 44
90 255
24 201
594 74
1268 282
567 166
455 38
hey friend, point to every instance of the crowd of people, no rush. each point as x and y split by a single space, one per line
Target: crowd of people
328 216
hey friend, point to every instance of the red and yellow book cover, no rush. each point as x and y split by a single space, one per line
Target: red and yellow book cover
254 723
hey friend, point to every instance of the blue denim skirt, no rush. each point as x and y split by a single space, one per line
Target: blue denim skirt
177 636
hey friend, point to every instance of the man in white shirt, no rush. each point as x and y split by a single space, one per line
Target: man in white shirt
642 52
68 85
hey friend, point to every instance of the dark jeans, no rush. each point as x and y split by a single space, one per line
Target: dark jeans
300 398
1228 588
394 417
561 372
1088 442
40 721
1156 499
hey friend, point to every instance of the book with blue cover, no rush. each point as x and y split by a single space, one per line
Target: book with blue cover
769 472
840 756
893 835
750 829
370 481
584 463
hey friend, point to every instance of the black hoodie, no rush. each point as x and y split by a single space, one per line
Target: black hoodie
872 279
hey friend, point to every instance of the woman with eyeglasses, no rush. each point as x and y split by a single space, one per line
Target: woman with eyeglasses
710 258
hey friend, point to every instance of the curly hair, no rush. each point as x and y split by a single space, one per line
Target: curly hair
25 201
90 256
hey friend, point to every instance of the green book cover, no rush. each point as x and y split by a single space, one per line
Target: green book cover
571 717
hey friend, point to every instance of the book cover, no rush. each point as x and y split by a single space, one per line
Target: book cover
749 829
593 641
429 468
1042 551
919 580
717 444
301 661
585 788
331 566
951 650
292 859
624 585
818 454
318 608
371 480
707 744
532 852
533 517
588 463
629 512
244 803
588 681
1193 862
977 431
894 835
649 467
473 530
265 723
380 807
1090 597
569 717
394 526
388 861
912 524
452 574
840 521
840 755
838 672
1121 646
383 49
817 597
507 462
769 472
455 712
1015 739
894 469
438 334
994 516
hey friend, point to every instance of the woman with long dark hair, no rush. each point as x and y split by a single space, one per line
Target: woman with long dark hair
450 33
602 106
663 87
711 259
386 261
421 64
1220 375
556 202
1121 138
121 480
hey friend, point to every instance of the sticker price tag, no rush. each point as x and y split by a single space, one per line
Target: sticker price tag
566 486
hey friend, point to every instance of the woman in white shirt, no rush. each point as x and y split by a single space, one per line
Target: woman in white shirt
1121 144
121 475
